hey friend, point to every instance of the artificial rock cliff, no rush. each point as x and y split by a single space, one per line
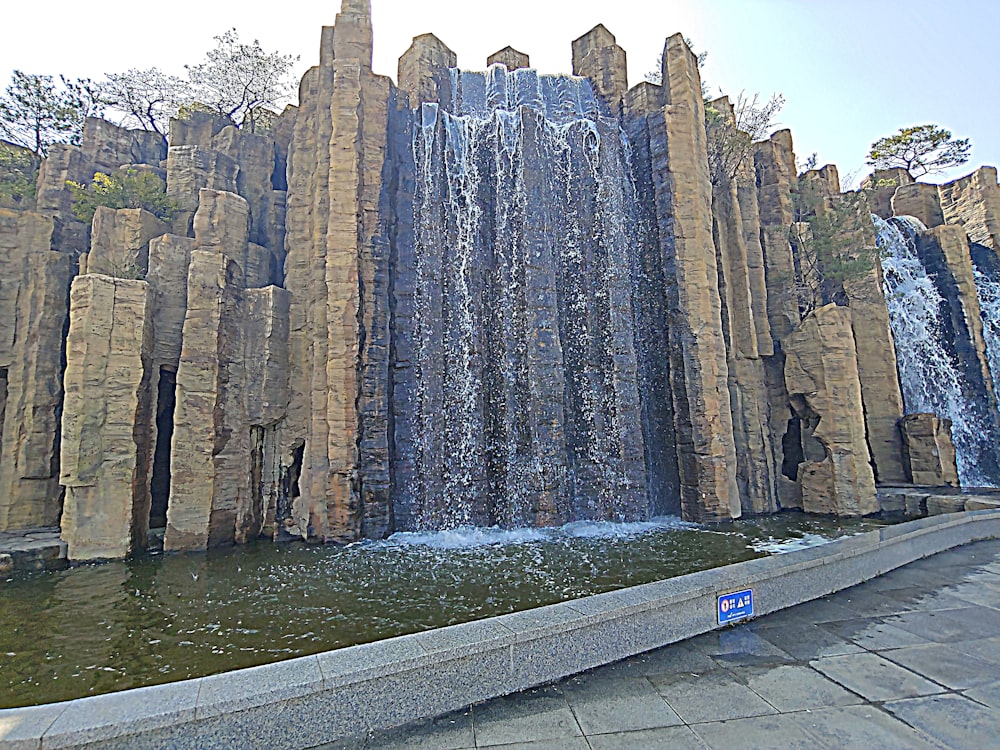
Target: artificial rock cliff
465 298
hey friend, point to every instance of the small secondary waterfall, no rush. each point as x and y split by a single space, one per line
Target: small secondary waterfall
929 371
517 393
986 266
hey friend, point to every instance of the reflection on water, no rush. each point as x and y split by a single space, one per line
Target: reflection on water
98 629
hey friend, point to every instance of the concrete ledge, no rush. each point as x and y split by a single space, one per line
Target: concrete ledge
309 701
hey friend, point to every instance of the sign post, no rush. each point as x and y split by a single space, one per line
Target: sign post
735 607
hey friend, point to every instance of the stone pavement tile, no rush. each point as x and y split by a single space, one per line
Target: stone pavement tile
715 696
942 664
987 649
983 594
952 719
909 576
988 695
950 625
674 659
874 603
859 728
822 610
566 743
541 714
874 677
757 733
451 732
739 646
872 633
804 641
603 705
912 599
668 738
795 687
354 743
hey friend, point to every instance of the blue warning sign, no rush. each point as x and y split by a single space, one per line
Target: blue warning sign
735 607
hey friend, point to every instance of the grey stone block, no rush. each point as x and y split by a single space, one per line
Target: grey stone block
860 727
954 720
122 714
944 665
794 687
757 733
536 716
22 728
714 696
605 705
875 678
258 686
667 738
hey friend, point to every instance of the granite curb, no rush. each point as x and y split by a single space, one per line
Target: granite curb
313 700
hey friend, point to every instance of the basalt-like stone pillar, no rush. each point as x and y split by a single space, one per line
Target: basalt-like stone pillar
881 186
929 450
337 273
699 373
973 203
34 284
755 469
774 164
209 459
119 242
510 58
919 200
854 238
597 56
821 372
108 418
423 70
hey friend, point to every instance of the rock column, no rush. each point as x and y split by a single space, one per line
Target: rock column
337 273
108 418
699 373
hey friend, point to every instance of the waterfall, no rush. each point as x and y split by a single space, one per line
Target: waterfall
929 372
986 266
523 400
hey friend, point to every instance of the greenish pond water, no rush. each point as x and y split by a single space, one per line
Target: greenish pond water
101 628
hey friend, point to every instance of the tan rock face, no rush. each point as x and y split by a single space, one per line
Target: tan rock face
919 200
119 244
699 373
423 70
335 171
973 203
597 56
34 282
821 375
108 418
510 58
929 451
881 186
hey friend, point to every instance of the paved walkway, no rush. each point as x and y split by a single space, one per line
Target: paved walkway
910 660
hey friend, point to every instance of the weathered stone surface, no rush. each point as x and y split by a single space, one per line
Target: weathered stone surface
774 164
119 242
510 58
919 200
973 203
754 453
191 169
597 56
821 373
196 129
929 451
699 372
876 352
210 454
335 168
881 186
423 70
108 418
169 258
29 487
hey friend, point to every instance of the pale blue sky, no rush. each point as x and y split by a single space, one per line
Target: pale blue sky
851 70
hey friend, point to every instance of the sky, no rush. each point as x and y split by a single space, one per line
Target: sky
851 71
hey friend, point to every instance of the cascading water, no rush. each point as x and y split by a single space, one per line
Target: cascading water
929 372
986 267
517 396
